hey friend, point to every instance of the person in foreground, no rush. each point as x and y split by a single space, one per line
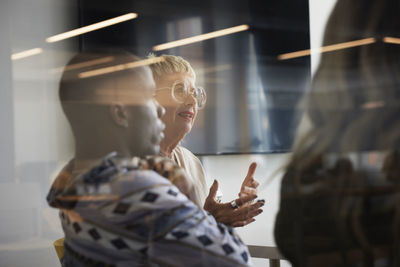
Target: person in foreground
178 94
340 195
117 206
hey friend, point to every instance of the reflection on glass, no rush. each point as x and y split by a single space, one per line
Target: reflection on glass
340 193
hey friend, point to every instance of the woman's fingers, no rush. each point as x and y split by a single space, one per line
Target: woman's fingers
211 204
237 215
251 171
213 190
250 174
249 212
245 199
245 213
248 191
240 216
254 184
249 179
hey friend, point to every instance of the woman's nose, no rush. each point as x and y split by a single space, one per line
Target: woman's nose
191 100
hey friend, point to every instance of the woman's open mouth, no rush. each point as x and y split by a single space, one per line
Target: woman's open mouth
187 115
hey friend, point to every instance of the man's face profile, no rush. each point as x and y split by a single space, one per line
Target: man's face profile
145 130
114 111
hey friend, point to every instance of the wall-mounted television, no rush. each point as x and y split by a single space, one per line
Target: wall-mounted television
253 92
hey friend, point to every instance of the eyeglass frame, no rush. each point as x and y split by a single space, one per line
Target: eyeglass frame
187 94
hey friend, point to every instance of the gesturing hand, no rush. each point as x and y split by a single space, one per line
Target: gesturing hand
249 185
227 214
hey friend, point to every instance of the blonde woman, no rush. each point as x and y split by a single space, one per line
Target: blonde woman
182 99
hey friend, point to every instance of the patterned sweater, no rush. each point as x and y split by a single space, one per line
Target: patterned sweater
124 212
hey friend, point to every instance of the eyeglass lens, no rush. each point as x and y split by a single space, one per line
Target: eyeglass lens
180 91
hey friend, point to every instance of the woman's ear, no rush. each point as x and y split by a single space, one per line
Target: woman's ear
119 115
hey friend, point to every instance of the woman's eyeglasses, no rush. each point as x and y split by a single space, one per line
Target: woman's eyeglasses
180 92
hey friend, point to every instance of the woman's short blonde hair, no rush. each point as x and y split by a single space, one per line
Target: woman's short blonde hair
170 64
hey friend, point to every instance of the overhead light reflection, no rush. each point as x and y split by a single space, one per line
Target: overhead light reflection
26 53
201 37
119 67
327 48
373 104
213 69
91 27
391 40
83 64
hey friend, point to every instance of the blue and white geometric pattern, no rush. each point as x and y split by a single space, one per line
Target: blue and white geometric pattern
142 220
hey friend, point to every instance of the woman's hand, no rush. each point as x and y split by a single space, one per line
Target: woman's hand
249 185
230 214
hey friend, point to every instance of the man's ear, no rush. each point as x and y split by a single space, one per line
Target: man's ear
119 114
